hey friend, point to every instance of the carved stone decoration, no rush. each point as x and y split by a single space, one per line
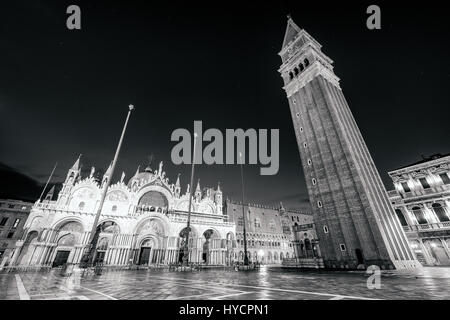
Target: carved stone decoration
153 227
117 196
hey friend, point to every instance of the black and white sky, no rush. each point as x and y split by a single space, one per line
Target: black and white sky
65 93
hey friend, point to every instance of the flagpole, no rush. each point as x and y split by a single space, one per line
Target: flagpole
191 194
243 213
48 181
88 256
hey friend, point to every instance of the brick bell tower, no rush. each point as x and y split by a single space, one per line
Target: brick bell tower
355 222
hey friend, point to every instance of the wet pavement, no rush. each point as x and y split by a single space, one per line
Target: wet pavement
264 284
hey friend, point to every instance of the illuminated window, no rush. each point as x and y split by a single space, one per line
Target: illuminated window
16 223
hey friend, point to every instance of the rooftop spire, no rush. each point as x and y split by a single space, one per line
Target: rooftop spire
292 30
76 165
178 181
198 186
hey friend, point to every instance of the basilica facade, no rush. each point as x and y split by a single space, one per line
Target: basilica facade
141 222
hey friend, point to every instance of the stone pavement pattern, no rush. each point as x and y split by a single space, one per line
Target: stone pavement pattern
265 284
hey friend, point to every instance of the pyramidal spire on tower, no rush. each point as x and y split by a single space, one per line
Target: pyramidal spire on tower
198 186
178 181
76 165
109 170
218 187
137 171
292 30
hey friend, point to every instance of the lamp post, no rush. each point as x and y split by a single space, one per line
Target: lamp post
89 254
191 193
243 212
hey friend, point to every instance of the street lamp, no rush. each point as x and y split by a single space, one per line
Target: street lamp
243 212
89 254
191 193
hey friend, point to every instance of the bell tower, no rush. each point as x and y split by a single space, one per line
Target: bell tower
355 222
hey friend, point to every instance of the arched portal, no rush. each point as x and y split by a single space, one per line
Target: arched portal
107 233
69 234
153 201
25 253
210 236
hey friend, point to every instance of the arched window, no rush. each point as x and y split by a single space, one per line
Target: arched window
401 217
114 208
301 67
291 76
257 223
81 206
440 212
306 62
419 215
296 71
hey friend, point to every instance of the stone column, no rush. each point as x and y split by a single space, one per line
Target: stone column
446 249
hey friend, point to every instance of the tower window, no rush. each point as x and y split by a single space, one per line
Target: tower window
296 71
16 223
406 187
314 181
298 115
309 162
319 204
291 76
424 183
301 67
293 101
445 178
306 62
301 129
343 248
305 145
114 208
325 229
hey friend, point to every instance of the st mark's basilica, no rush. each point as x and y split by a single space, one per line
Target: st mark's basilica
142 223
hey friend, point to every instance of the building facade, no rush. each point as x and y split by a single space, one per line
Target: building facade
13 214
269 231
354 219
141 222
422 203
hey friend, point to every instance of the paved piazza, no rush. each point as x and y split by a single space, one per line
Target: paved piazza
265 284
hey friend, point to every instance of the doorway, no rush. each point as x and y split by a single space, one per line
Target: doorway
144 257
61 258
359 256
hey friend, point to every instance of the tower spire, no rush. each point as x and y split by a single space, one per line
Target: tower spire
292 30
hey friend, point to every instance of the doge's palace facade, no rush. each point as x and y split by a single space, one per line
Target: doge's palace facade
141 223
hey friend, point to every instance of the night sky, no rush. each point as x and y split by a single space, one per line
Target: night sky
65 93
